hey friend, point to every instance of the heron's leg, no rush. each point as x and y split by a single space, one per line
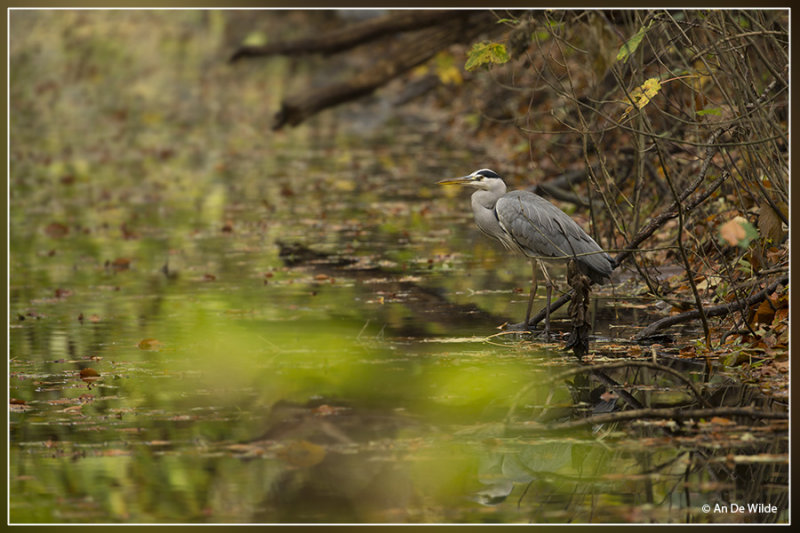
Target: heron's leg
549 286
534 286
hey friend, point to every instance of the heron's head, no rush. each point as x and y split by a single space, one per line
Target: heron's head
480 179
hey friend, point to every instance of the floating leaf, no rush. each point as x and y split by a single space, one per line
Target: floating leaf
721 421
632 44
149 344
446 69
483 53
120 263
89 375
56 230
732 232
255 38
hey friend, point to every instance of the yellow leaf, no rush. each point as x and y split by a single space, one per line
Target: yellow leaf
485 53
642 95
446 69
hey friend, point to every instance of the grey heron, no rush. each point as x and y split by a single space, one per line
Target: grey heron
526 223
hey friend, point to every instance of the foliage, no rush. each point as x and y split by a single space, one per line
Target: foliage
710 88
630 46
486 53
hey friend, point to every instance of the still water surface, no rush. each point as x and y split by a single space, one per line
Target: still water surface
237 384
177 354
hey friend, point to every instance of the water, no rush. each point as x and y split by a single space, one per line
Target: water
177 354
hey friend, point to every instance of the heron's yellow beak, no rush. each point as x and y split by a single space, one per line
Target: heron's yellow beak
456 181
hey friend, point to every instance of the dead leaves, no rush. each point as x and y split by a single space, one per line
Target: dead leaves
56 230
152 345
774 311
770 224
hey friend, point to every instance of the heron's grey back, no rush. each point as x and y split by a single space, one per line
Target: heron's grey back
541 229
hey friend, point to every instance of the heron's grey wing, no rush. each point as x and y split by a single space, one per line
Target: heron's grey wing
542 229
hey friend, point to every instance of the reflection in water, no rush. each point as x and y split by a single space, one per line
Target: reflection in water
244 381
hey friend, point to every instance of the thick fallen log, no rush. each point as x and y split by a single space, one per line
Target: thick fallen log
350 36
409 52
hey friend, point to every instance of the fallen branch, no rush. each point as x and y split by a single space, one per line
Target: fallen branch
674 413
409 52
717 310
349 36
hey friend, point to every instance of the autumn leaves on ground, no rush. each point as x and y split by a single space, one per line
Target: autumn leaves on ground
694 112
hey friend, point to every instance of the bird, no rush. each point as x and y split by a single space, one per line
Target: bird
528 224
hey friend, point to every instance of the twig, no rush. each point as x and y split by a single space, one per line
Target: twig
679 235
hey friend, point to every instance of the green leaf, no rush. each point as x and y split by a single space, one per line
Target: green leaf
486 52
632 44
709 111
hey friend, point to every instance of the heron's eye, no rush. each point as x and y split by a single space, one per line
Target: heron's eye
486 174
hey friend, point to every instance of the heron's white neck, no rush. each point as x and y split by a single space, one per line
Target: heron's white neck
486 198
